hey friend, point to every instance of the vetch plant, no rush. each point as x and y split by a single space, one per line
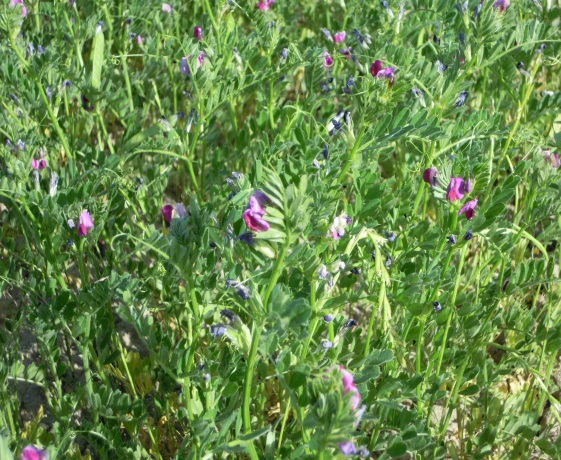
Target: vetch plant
280 230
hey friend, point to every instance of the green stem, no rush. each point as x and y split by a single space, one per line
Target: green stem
451 307
256 337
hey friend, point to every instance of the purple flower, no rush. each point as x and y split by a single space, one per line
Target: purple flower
253 214
14 3
328 318
85 223
347 52
501 5
339 37
184 66
468 185
180 210
456 189
461 99
347 448
166 8
468 209
327 60
247 238
200 59
377 71
198 33
429 176
32 453
167 211
39 164
139 40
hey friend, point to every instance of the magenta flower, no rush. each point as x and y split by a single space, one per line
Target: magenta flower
32 453
39 164
377 71
347 52
166 8
456 189
350 387
253 214
375 68
198 33
327 60
429 176
264 5
86 223
468 209
501 5
14 3
200 59
167 212
339 37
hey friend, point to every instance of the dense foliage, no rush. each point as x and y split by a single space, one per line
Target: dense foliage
280 229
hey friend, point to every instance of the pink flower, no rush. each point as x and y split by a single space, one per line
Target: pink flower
501 5
198 33
166 8
327 59
139 40
253 214
429 176
86 223
14 3
39 164
200 59
264 5
456 189
468 209
378 72
32 453
339 37
350 387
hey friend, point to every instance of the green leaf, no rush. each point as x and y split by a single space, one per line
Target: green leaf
396 448
255 434
470 390
98 48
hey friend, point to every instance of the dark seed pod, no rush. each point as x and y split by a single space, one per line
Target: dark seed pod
469 235
437 307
